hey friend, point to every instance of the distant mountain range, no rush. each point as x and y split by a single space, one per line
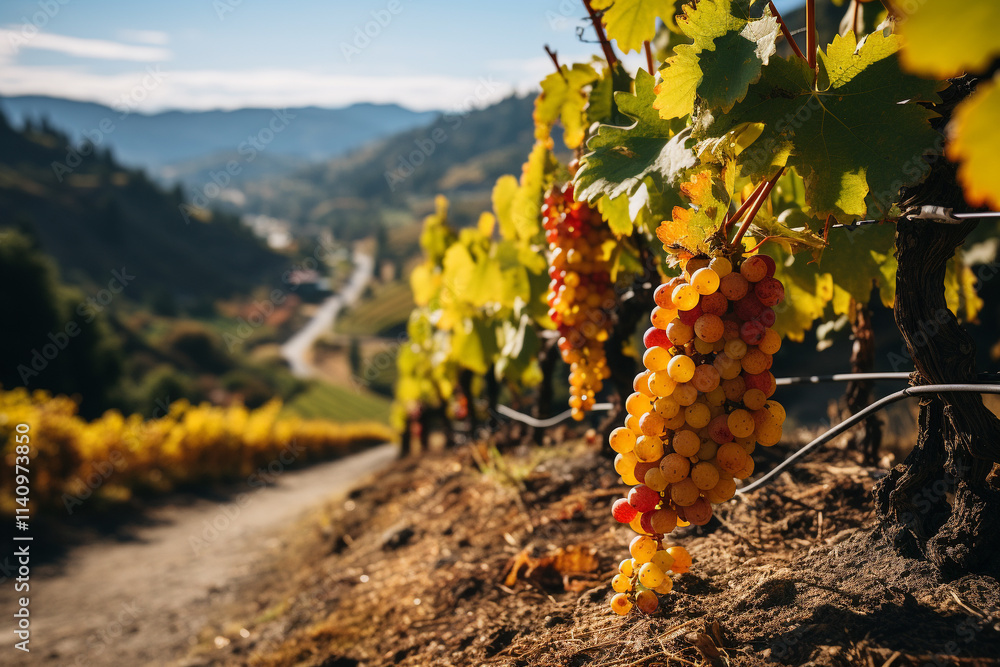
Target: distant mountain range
173 144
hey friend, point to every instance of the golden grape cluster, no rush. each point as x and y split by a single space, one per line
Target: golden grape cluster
580 293
699 409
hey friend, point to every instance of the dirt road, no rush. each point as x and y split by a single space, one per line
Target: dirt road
144 601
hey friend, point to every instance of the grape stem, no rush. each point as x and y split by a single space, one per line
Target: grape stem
649 57
758 202
785 31
555 61
609 53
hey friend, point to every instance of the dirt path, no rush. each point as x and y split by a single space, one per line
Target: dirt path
144 601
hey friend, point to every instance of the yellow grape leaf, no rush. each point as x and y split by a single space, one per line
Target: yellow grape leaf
947 37
424 284
632 22
975 143
563 98
536 176
691 228
960 290
504 193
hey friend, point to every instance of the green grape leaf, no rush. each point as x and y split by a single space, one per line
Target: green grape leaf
853 139
564 98
519 347
621 157
975 143
475 345
727 53
944 38
632 22
616 213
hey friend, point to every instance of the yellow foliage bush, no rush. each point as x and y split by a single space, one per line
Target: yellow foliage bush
117 455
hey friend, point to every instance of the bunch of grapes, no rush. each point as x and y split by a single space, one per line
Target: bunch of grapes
580 293
699 410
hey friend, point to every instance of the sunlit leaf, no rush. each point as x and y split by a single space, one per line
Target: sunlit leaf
975 143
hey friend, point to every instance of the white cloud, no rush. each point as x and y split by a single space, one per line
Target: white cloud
12 41
155 37
271 88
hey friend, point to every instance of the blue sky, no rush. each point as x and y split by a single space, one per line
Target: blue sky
203 54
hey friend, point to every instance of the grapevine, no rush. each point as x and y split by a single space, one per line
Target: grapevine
580 293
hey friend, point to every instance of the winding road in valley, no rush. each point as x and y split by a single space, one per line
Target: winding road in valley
296 351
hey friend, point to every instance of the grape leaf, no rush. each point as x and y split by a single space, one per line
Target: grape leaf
728 52
960 290
621 157
503 196
853 139
564 99
944 38
632 22
691 228
975 142
536 176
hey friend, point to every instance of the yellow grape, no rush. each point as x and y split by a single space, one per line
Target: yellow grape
734 388
650 575
625 463
706 378
701 347
651 424
666 407
642 549
621 584
731 457
648 448
728 367
665 587
698 415
620 604
686 443
770 343
705 281
663 560
626 568
638 404
755 361
674 467
685 297
663 521
754 399
741 423
679 333
657 359
736 348
685 394
722 266
776 411
709 328
716 397
675 422
768 434
681 368
707 450
684 492
622 440
724 490
682 559
655 480
705 475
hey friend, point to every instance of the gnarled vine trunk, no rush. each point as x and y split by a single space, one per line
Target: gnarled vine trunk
959 442
859 393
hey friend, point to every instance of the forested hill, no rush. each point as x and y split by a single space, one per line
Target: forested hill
94 216
461 154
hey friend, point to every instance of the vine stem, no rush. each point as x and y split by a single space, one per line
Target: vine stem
888 8
785 31
609 53
743 208
758 202
649 57
811 33
555 61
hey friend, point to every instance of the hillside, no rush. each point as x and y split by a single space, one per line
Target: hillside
397 178
167 142
100 217
466 559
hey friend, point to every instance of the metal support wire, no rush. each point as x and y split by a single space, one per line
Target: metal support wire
921 390
545 423
850 377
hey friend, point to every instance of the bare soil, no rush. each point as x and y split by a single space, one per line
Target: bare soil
415 569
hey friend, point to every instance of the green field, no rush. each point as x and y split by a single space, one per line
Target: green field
388 308
325 401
